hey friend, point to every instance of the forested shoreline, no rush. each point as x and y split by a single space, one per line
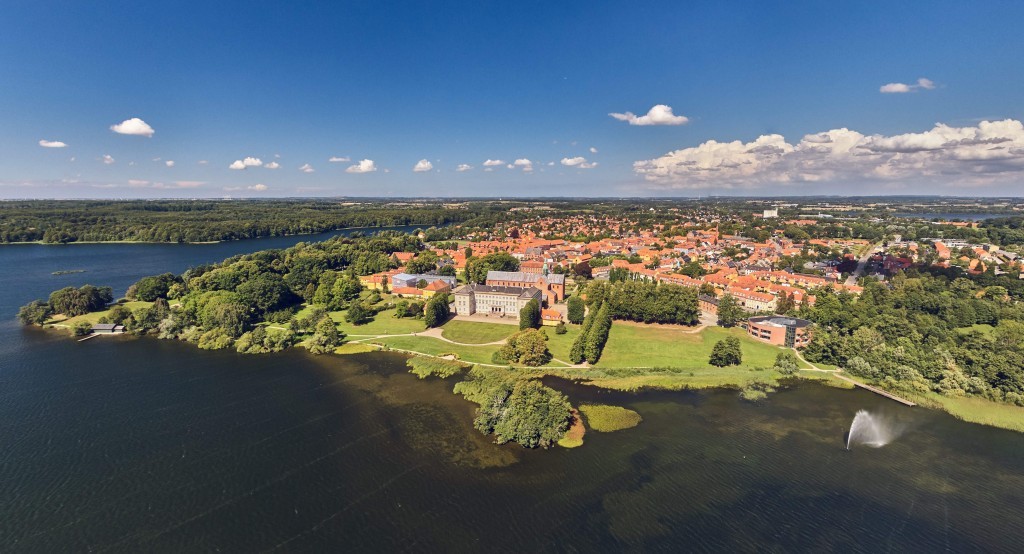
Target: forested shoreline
184 221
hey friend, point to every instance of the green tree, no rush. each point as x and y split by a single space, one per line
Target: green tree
436 310
729 311
358 314
786 363
35 312
597 336
560 328
576 310
326 337
527 347
529 316
726 352
477 268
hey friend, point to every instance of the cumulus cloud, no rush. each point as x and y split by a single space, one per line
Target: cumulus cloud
364 166
423 166
51 144
593 150
463 167
272 165
900 88
169 163
133 126
990 152
108 159
258 187
246 163
492 163
522 162
337 159
658 115
578 161
306 168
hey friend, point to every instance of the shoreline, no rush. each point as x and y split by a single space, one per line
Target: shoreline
993 414
215 241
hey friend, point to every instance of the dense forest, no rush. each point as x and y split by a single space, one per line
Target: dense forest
924 333
65 221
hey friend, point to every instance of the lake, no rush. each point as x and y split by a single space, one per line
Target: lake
122 444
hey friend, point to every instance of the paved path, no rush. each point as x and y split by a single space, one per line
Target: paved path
861 264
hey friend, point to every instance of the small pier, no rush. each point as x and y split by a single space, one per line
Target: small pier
875 390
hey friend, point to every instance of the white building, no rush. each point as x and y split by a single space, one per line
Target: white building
774 212
494 300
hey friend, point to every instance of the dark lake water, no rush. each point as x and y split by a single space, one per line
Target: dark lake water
120 444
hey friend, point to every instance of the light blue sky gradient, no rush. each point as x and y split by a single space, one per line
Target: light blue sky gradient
460 83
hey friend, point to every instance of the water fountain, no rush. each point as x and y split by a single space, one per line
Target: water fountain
871 430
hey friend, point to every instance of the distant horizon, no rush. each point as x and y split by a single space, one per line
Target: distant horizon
532 198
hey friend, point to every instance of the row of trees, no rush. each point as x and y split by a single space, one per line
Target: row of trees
68 301
593 335
647 302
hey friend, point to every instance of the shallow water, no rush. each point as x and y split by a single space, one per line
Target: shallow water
126 444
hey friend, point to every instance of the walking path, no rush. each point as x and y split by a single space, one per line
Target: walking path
838 373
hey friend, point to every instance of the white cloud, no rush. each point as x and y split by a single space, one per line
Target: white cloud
108 159
900 88
423 166
364 166
306 168
492 163
51 144
272 165
258 187
246 163
658 115
463 167
133 126
593 150
203 162
990 152
338 159
522 162
169 163
137 183
189 184
578 161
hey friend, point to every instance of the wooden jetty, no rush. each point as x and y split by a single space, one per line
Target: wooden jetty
875 390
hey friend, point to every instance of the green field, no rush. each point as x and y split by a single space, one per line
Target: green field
472 332
633 346
436 347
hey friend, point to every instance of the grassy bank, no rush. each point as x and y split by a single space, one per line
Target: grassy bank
94 317
605 419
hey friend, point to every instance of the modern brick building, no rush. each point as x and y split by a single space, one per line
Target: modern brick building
779 330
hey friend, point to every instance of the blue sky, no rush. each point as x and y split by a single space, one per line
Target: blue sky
462 83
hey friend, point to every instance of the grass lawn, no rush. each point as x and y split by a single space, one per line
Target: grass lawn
477 333
383 324
982 328
559 345
94 317
630 346
435 347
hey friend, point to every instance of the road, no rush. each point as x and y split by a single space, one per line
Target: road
862 263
